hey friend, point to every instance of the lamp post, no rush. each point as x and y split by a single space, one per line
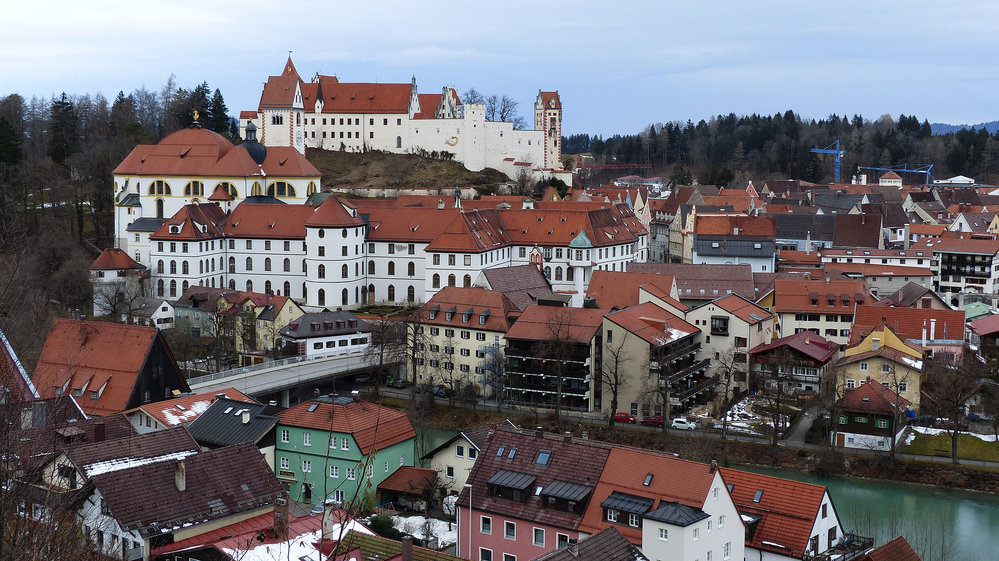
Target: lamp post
469 487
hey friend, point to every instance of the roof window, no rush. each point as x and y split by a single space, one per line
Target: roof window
543 457
511 454
758 495
648 480
500 451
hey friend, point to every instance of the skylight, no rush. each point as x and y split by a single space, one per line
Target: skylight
543 457
227 410
648 480
500 451
313 407
758 495
512 452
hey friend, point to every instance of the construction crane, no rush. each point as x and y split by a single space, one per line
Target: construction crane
924 169
836 152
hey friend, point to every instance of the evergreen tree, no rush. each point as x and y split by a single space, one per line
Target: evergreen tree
10 145
63 136
218 114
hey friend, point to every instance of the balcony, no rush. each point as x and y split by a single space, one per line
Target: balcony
686 372
694 391
681 352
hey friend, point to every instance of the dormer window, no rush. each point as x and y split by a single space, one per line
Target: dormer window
465 317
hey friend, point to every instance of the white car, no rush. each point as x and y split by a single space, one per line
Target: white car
682 424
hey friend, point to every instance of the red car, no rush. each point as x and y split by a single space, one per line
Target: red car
623 417
653 421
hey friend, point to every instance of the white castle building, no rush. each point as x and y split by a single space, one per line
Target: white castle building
333 115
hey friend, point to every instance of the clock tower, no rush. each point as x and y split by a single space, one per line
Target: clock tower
548 118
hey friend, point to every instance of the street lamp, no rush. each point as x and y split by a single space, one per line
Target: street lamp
469 487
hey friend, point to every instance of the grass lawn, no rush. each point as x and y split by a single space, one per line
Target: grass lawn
968 447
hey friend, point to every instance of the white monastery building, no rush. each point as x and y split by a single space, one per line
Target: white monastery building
352 116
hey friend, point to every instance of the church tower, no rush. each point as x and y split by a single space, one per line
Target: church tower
283 110
548 118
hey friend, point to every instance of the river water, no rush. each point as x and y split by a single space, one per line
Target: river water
940 524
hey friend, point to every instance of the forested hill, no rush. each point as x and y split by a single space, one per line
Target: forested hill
730 149
944 128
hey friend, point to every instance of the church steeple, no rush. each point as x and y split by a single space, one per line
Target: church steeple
289 68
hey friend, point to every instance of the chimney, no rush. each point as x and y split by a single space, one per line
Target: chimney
924 332
99 432
246 416
281 518
863 219
933 329
315 393
807 339
735 230
714 466
585 435
407 548
827 280
538 432
567 437
180 476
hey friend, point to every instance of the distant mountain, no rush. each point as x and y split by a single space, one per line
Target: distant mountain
944 128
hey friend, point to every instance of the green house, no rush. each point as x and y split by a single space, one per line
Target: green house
340 449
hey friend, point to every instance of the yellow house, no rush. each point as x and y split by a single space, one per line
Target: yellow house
883 357
255 321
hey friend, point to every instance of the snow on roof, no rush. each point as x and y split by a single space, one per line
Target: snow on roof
302 546
175 416
117 464
911 362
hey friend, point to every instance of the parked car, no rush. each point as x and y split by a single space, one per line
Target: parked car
923 421
442 391
401 383
653 421
317 508
623 417
979 418
681 423
947 424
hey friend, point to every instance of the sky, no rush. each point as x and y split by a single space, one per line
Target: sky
618 65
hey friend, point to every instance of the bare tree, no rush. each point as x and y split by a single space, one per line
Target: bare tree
416 343
613 374
949 385
494 372
557 349
728 365
387 345
472 96
118 298
773 382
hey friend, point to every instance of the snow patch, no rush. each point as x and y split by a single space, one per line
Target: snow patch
446 532
300 547
176 416
118 464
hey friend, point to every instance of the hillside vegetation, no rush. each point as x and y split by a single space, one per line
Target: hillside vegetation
381 169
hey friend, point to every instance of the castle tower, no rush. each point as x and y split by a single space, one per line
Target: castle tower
548 117
283 109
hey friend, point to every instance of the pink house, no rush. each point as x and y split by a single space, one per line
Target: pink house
529 491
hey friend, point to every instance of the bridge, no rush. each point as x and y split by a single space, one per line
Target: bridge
281 375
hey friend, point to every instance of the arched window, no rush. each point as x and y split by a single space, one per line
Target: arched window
185 268
201 267
467 281
305 266
159 208
229 188
322 272
371 294
344 295
194 189
232 284
249 286
256 191
558 273
391 293
232 264
287 265
410 294
173 289
322 297
267 288
437 281
159 288
411 269
357 269
305 291
267 264
173 267
391 268
398 142
249 263
312 190
287 289
570 274
450 280
280 189
344 271
371 267
184 286
159 266
548 272
159 187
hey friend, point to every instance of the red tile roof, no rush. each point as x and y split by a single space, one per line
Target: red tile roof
620 289
987 325
335 212
359 97
95 355
873 397
405 224
962 245
498 307
577 461
673 479
186 408
373 426
251 220
472 232
798 295
428 106
220 194
896 550
561 225
807 343
196 222
872 270
114 258
652 323
742 309
551 100
408 480
788 509
908 322
704 282
537 323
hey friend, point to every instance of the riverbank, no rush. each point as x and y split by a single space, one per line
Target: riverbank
824 461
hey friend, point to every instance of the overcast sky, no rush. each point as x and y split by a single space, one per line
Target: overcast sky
618 65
